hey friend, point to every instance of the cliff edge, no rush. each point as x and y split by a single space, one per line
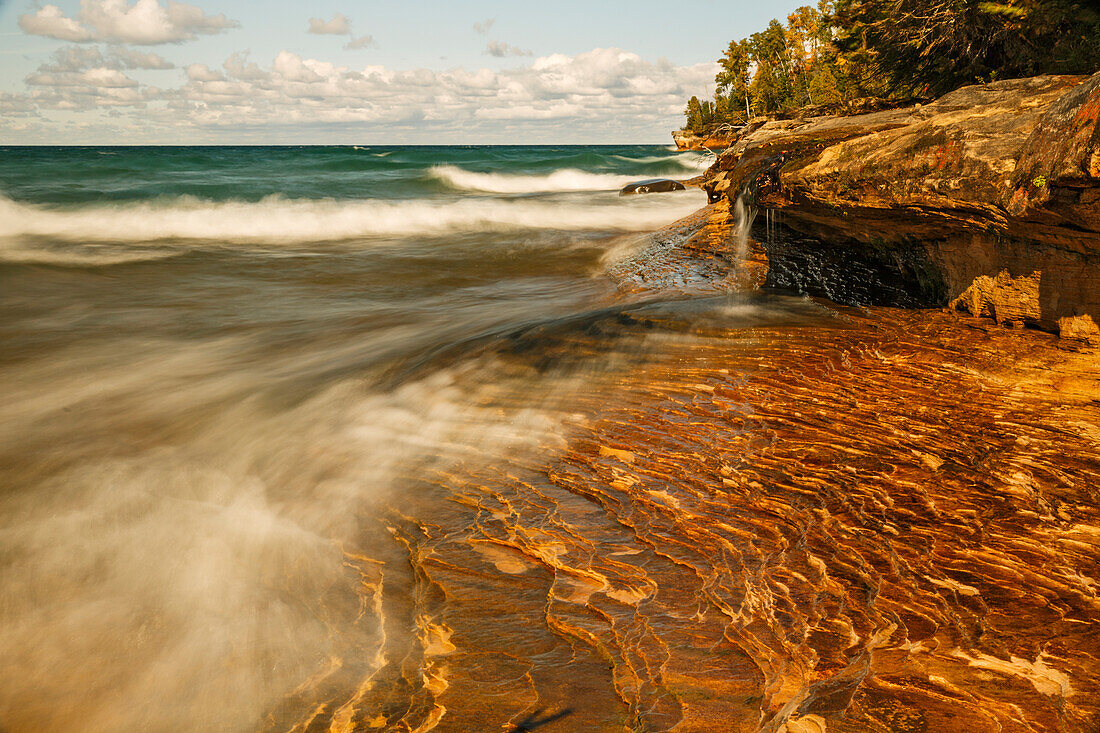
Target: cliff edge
987 199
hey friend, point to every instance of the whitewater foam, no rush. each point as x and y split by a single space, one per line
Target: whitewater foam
565 179
280 220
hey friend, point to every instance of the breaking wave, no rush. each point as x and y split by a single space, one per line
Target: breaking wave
566 179
280 220
688 161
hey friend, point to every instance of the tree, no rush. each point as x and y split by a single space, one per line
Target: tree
733 81
694 114
823 88
934 46
772 86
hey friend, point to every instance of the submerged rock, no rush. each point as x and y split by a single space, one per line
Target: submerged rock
995 186
651 185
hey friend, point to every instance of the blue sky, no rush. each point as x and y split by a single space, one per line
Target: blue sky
226 71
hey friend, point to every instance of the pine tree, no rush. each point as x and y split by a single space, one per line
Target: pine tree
733 81
772 84
934 46
823 88
694 115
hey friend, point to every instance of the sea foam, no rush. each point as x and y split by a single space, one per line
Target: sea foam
277 219
565 179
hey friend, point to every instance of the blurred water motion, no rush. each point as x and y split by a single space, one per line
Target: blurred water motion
467 480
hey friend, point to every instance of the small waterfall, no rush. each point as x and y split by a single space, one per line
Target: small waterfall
744 211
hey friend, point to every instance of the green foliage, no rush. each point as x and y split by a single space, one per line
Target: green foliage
771 70
823 88
772 86
733 82
934 46
700 115
846 49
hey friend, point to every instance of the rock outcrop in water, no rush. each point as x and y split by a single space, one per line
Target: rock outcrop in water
651 185
987 199
687 140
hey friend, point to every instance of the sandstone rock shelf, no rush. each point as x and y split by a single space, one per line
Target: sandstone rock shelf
990 195
879 521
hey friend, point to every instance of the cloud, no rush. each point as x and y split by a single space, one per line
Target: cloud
98 88
604 94
338 26
597 85
98 77
484 26
74 58
131 59
202 72
146 22
239 67
501 49
86 77
51 22
360 42
77 58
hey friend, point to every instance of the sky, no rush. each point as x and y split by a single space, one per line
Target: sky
121 72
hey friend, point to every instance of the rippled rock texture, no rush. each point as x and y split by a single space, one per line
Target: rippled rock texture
996 186
881 521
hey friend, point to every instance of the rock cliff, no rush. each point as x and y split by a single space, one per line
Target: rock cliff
987 199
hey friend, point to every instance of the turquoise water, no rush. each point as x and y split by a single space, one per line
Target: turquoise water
79 175
391 250
115 204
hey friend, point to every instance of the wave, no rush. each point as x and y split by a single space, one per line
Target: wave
375 155
281 220
566 179
689 161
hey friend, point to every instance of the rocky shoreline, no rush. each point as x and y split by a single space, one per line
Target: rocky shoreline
986 200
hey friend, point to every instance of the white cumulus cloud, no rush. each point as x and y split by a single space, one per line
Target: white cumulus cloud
77 58
202 72
131 59
360 42
51 22
604 94
604 84
501 49
338 26
146 22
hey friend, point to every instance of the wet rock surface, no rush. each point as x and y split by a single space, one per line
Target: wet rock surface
773 514
885 524
651 185
996 184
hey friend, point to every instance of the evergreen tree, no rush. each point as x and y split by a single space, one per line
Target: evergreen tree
823 88
733 82
772 85
934 46
694 114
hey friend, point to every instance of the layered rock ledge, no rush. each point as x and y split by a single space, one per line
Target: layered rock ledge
686 140
987 199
